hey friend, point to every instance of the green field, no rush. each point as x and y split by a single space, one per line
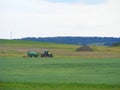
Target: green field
73 74
67 70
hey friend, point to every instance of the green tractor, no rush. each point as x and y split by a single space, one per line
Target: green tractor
32 54
46 54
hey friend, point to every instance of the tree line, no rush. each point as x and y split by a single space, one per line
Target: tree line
107 41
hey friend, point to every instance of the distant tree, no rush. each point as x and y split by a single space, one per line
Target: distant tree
117 44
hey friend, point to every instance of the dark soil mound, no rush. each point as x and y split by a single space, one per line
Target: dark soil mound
84 48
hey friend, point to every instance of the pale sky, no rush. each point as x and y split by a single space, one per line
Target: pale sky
49 18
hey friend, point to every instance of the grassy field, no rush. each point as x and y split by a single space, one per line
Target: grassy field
59 73
18 48
67 70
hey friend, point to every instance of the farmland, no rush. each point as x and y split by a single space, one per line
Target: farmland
67 70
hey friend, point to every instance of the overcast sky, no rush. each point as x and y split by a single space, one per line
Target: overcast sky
47 18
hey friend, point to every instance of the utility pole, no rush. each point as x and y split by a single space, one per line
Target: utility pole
10 35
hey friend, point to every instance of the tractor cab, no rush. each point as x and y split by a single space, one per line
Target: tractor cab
46 54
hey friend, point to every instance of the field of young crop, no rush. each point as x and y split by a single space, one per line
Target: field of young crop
67 70
59 74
